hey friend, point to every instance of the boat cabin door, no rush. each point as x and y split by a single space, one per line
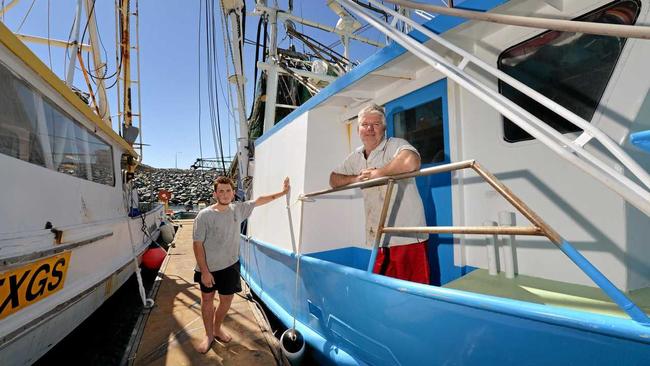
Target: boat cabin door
420 117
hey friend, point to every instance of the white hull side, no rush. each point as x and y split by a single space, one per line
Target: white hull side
95 272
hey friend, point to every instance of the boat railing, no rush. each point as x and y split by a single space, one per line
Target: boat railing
572 150
539 227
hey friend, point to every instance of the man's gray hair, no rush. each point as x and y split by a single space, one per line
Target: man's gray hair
372 109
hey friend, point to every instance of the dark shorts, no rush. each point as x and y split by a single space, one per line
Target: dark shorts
226 281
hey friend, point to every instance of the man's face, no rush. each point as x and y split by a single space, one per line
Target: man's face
224 194
371 130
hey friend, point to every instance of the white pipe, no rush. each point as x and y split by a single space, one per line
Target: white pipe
346 50
52 42
612 179
491 248
507 218
236 47
75 48
272 74
614 30
603 138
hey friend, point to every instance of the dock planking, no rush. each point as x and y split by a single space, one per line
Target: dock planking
174 328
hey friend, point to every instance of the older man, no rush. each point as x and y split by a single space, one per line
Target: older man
402 256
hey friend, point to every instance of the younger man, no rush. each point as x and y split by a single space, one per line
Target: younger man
216 248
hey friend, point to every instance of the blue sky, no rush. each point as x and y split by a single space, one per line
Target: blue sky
169 42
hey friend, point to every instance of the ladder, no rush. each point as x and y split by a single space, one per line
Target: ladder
124 54
571 150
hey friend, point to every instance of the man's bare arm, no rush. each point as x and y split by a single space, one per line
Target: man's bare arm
406 161
338 180
199 254
262 200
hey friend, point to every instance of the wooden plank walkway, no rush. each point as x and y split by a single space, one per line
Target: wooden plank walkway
174 327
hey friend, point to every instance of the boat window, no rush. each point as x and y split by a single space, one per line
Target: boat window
572 69
18 124
32 126
422 126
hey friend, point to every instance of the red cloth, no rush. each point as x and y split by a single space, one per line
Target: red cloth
407 262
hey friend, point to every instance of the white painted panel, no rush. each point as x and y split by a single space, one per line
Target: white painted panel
335 220
281 155
33 195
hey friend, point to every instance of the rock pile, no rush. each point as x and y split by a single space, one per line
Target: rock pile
187 186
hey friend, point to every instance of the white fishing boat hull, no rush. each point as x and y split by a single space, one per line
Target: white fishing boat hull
67 242
96 270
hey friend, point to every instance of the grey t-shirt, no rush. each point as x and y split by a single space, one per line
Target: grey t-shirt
219 232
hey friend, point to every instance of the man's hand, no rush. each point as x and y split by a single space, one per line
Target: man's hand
206 279
368 174
286 186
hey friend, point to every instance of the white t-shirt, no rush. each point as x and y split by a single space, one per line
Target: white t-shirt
219 232
406 207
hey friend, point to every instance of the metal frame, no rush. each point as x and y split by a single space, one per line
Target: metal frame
572 151
539 227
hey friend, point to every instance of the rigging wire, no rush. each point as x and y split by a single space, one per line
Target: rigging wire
26 15
227 100
215 121
200 77
217 84
49 46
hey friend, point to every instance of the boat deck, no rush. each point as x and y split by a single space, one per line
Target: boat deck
547 292
172 330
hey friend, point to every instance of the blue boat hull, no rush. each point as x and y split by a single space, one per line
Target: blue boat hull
351 317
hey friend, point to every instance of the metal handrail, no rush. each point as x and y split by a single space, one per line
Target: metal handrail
539 228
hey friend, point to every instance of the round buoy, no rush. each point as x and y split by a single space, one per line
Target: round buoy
153 257
293 345
166 232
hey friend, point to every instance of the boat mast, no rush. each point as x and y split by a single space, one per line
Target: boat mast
233 9
75 46
99 66
125 49
345 28
272 72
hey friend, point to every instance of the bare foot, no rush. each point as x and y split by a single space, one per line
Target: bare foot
205 345
222 336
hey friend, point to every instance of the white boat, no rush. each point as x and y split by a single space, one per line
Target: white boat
558 272
67 241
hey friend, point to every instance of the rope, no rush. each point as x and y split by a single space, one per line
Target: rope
300 199
146 302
